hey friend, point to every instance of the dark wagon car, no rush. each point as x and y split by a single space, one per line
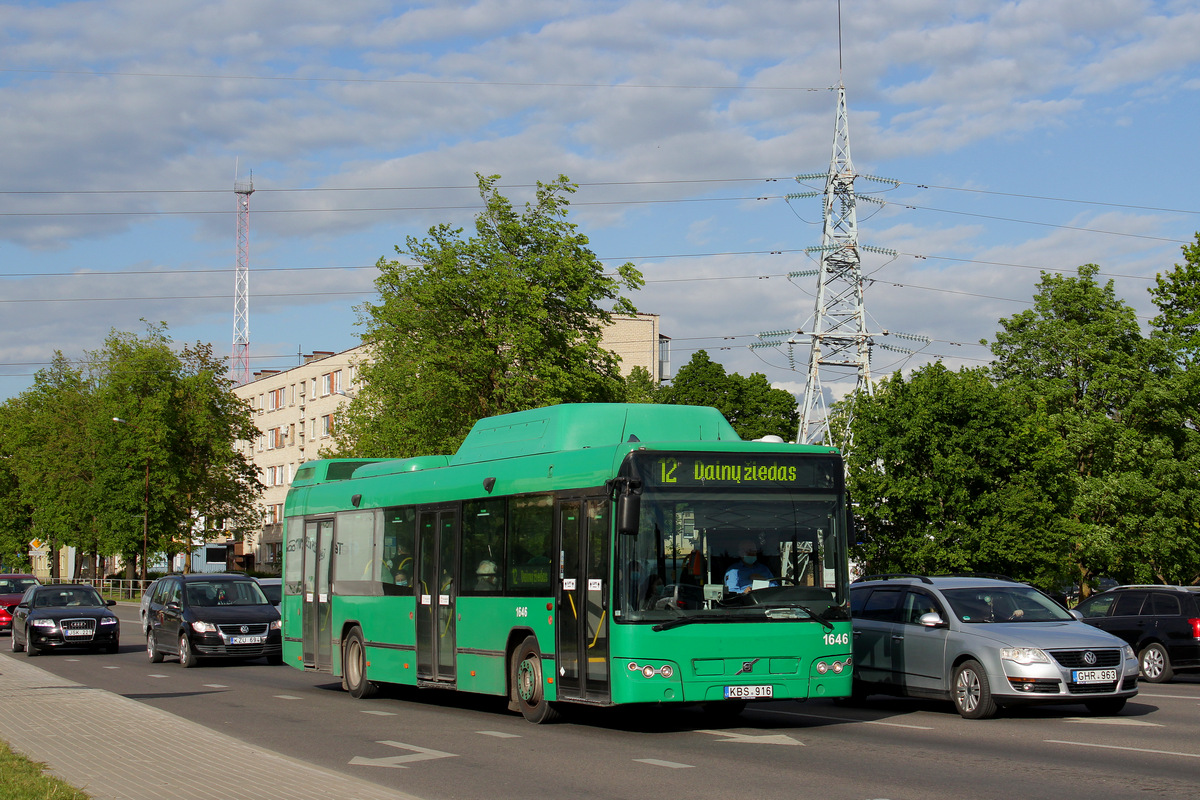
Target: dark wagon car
1162 623
201 615
64 615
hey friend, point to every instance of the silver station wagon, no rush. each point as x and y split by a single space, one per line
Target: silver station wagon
983 643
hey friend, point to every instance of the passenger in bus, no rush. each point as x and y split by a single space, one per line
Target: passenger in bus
740 577
486 579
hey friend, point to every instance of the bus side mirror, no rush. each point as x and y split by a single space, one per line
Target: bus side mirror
629 508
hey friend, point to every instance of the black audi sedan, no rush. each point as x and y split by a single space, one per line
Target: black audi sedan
64 615
198 616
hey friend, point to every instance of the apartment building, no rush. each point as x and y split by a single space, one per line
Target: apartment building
295 409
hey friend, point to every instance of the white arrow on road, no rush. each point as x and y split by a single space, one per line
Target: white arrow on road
418 754
747 738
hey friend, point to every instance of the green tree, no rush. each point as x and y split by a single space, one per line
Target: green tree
1170 552
751 405
16 517
1078 357
506 320
120 452
950 474
639 386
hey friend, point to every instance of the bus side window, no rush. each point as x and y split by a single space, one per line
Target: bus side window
482 546
531 527
399 534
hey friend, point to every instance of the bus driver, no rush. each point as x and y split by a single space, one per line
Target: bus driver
739 578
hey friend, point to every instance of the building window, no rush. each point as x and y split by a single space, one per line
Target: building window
327 425
274 399
327 384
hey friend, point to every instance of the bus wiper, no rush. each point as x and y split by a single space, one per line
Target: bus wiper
675 623
789 612
812 614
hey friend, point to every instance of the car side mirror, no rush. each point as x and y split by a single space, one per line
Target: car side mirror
1074 613
110 602
932 619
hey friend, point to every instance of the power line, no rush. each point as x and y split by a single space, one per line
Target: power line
413 81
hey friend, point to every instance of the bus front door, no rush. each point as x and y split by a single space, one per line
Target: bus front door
318 541
583 668
436 592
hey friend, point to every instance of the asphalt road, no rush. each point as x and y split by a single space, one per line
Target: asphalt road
441 745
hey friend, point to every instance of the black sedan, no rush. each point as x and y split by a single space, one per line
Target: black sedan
64 615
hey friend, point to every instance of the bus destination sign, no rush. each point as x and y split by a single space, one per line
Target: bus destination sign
767 470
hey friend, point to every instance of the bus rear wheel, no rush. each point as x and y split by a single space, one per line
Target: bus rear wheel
354 667
527 683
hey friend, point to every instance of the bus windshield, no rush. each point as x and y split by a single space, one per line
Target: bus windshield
713 553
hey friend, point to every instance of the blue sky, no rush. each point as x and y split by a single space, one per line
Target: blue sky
1027 136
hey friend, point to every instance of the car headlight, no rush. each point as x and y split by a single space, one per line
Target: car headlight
204 627
1129 654
1024 655
108 620
276 624
42 623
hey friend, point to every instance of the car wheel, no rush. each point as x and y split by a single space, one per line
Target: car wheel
31 649
152 651
16 648
187 659
526 674
354 667
972 694
1107 706
1155 665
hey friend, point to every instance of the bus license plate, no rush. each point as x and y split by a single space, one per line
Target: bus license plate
748 692
245 640
1094 675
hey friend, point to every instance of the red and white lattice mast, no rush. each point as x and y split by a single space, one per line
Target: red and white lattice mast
239 364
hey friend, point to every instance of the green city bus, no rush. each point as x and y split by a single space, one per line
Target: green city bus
594 554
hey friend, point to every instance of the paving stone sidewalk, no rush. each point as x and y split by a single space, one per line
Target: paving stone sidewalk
111 747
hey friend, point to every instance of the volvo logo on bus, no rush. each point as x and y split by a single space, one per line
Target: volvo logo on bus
747 666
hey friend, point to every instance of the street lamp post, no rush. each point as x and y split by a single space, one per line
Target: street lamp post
145 507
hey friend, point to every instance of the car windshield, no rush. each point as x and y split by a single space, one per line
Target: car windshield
762 550
225 593
16 585
1004 604
71 597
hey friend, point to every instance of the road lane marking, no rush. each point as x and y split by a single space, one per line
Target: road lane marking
401 762
110 666
500 734
286 697
754 738
378 713
654 762
215 686
157 675
846 719
1140 695
1111 721
1127 749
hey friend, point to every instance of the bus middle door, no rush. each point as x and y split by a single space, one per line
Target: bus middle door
582 645
437 536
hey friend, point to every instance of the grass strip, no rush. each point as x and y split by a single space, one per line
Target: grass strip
22 779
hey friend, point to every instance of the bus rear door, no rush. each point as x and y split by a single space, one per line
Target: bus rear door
437 589
318 541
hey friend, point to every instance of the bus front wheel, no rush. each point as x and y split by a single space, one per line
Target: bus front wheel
354 667
528 685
